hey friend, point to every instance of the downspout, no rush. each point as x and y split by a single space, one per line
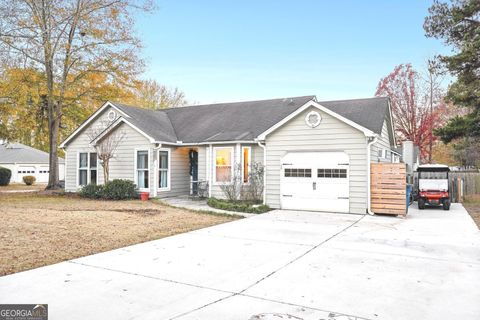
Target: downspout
210 169
370 141
264 171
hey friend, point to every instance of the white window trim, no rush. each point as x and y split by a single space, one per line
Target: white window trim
214 162
169 170
89 180
135 172
249 163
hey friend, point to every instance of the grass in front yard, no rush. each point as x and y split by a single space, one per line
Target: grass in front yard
41 229
22 186
472 204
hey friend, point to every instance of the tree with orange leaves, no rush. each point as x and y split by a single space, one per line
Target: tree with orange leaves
416 107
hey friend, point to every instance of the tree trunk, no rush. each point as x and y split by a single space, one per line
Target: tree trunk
54 126
105 166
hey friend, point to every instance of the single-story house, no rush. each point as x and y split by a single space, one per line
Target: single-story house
23 161
316 154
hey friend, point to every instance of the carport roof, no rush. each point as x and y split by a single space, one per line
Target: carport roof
13 152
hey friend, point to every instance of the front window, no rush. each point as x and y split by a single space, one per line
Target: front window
93 167
87 168
246 156
223 164
163 165
142 169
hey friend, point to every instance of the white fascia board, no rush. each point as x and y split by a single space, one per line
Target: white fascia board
90 119
115 124
312 103
392 126
187 144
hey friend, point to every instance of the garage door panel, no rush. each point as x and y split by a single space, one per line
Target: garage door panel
317 181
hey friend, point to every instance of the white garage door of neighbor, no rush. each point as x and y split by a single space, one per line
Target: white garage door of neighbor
42 175
317 181
25 171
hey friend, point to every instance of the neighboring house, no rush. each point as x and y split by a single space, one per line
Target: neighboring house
23 161
316 154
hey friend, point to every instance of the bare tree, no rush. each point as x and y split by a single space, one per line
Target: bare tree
232 189
68 40
106 146
237 189
435 95
153 95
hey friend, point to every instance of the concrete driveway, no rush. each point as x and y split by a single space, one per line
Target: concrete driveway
302 264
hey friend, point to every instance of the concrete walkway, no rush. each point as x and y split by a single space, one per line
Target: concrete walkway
186 202
302 264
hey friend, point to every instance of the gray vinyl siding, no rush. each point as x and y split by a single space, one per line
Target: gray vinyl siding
122 166
179 174
257 154
331 135
383 142
202 163
81 143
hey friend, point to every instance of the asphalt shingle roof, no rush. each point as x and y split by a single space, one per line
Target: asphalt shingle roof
243 120
369 113
20 153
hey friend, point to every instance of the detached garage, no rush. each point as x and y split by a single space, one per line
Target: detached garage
23 161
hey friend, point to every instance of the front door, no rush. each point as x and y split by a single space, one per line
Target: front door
193 155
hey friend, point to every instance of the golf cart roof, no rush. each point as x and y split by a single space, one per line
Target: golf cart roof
433 167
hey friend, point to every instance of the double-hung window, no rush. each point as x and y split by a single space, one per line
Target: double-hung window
92 165
223 164
87 168
163 169
142 169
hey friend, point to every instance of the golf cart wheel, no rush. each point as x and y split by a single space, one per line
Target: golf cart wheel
421 203
446 204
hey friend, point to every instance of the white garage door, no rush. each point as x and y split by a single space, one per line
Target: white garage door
317 181
43 174
25 171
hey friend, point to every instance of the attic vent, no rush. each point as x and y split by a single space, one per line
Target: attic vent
313 119
112 115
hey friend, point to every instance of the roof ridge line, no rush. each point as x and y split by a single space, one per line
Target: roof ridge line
235 102
354 99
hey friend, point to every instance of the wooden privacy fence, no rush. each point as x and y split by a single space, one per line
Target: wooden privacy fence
388 188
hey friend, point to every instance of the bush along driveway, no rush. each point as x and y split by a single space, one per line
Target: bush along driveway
277 264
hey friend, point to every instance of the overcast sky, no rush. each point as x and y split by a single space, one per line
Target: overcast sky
217 51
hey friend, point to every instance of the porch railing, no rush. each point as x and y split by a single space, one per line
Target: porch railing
199 188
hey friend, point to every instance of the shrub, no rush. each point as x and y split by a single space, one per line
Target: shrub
119 189
5 175
92 191
29 180
238 206
236 190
